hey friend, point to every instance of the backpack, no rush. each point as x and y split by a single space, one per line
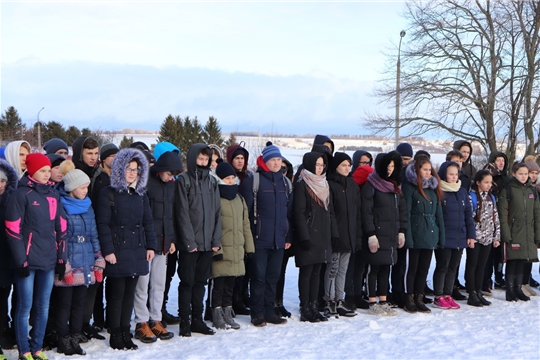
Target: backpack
474 200
187 180
256 181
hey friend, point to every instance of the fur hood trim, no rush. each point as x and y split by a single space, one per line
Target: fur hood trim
119 166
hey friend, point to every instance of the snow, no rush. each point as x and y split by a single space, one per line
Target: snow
501 331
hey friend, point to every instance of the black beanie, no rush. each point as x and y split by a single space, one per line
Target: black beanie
340 157
224 169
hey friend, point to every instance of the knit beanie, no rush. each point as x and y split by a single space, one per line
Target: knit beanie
107 150
239 151
532 166
270 152
340 157
405 149
55 159
53 145
75 178
139 145
36 161
3 176
224 169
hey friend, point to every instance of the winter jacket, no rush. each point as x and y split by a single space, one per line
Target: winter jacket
425 229
236 238
467 167
197 205
271 229
488 229
520 221
83 249
500 177
6 260
458 215
161 196
125 224
36 226
347 212
384 211
77 158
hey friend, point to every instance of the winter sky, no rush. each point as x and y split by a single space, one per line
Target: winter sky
301 67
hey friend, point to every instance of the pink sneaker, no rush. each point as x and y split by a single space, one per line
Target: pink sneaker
441 302
452 303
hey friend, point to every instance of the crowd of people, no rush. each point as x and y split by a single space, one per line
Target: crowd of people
117 225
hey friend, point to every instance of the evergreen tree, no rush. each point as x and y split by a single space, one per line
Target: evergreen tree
170 130
11 126
51 130
197 132
86 132
126 142
231 140
72 133
212 132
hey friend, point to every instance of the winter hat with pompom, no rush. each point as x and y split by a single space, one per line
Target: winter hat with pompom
224 169
36 161
270 151
75 178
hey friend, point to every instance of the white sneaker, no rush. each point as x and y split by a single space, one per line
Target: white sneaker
377 310
389 311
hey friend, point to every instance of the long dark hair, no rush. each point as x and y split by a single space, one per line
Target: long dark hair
417 166
480 175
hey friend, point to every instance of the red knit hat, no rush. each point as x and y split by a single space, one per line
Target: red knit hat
36 161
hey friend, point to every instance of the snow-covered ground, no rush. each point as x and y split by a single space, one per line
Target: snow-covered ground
501 331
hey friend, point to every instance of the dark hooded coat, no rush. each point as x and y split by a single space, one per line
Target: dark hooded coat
467 167
244 173
125 226
356 159
92 171
6 260
500 177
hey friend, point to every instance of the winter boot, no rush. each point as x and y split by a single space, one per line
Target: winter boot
228 316
280 310
533 282
457 295
315 314
482 298
217 318
517 288
343 311
330 309
408 303
91 332
351 301
144 334
126 335
238 304
76 347
50 341
169 319
198 326
64 345
117 341
305 313
81 339
274 319
7 341
419 301
474 300
359 303
185 328
159 330
510 293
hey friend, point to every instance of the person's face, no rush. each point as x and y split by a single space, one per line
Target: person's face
390 168
3 184
344 168
238 162
23 152
425 171
202 159
534 176
229 180
328 145
274 164
522 174
466 152
166 176
56 174
213 165
319 166
486 183
132 172
458 160
43 175
80 192
406 160
452 174
63 153
108 161
364 161
499 162
90 156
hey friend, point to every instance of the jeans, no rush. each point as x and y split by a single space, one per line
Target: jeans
34 292
334 279
265 271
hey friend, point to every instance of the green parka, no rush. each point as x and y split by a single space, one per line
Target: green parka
236 238
520 221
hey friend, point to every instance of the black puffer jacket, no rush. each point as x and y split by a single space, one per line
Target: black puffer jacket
384 211
6 260
126 228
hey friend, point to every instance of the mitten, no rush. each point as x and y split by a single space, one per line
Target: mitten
60 269
218 257
249 255
373 244
305 245
98 273
68 278
23 271
401 240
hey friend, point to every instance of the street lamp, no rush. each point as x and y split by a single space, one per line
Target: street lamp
398 90
39 130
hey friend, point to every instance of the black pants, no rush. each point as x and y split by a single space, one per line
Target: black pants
121 295
222 291
99 306
172 260
446 267
377 280
308 283
416 271
475 266
398 272
194 270
527 268
4 308
354 280
281 282
514 267
70 303
89 305
495 265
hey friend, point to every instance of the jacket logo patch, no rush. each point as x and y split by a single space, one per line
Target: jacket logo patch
531 196
35 203
516 247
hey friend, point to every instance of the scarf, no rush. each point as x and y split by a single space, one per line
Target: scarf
317 187
381 184
75 206
228 192
450 187
360 175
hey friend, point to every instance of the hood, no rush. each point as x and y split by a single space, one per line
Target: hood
216 148
321 139
11 183
444 166
191 159
77 149
309 161
232 149
168 161
12 155
459 143
119 166
356 159
381 166
497 154
163 147
289 167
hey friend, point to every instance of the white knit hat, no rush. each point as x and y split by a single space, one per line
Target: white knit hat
75 178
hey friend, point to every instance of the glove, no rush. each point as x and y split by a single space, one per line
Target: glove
335 243
98 273
401 240
373 244
218 257
305 244
60 269
23 271
249 255
68 278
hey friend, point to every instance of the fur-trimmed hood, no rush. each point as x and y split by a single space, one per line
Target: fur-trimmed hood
12 181
119 166
381 166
